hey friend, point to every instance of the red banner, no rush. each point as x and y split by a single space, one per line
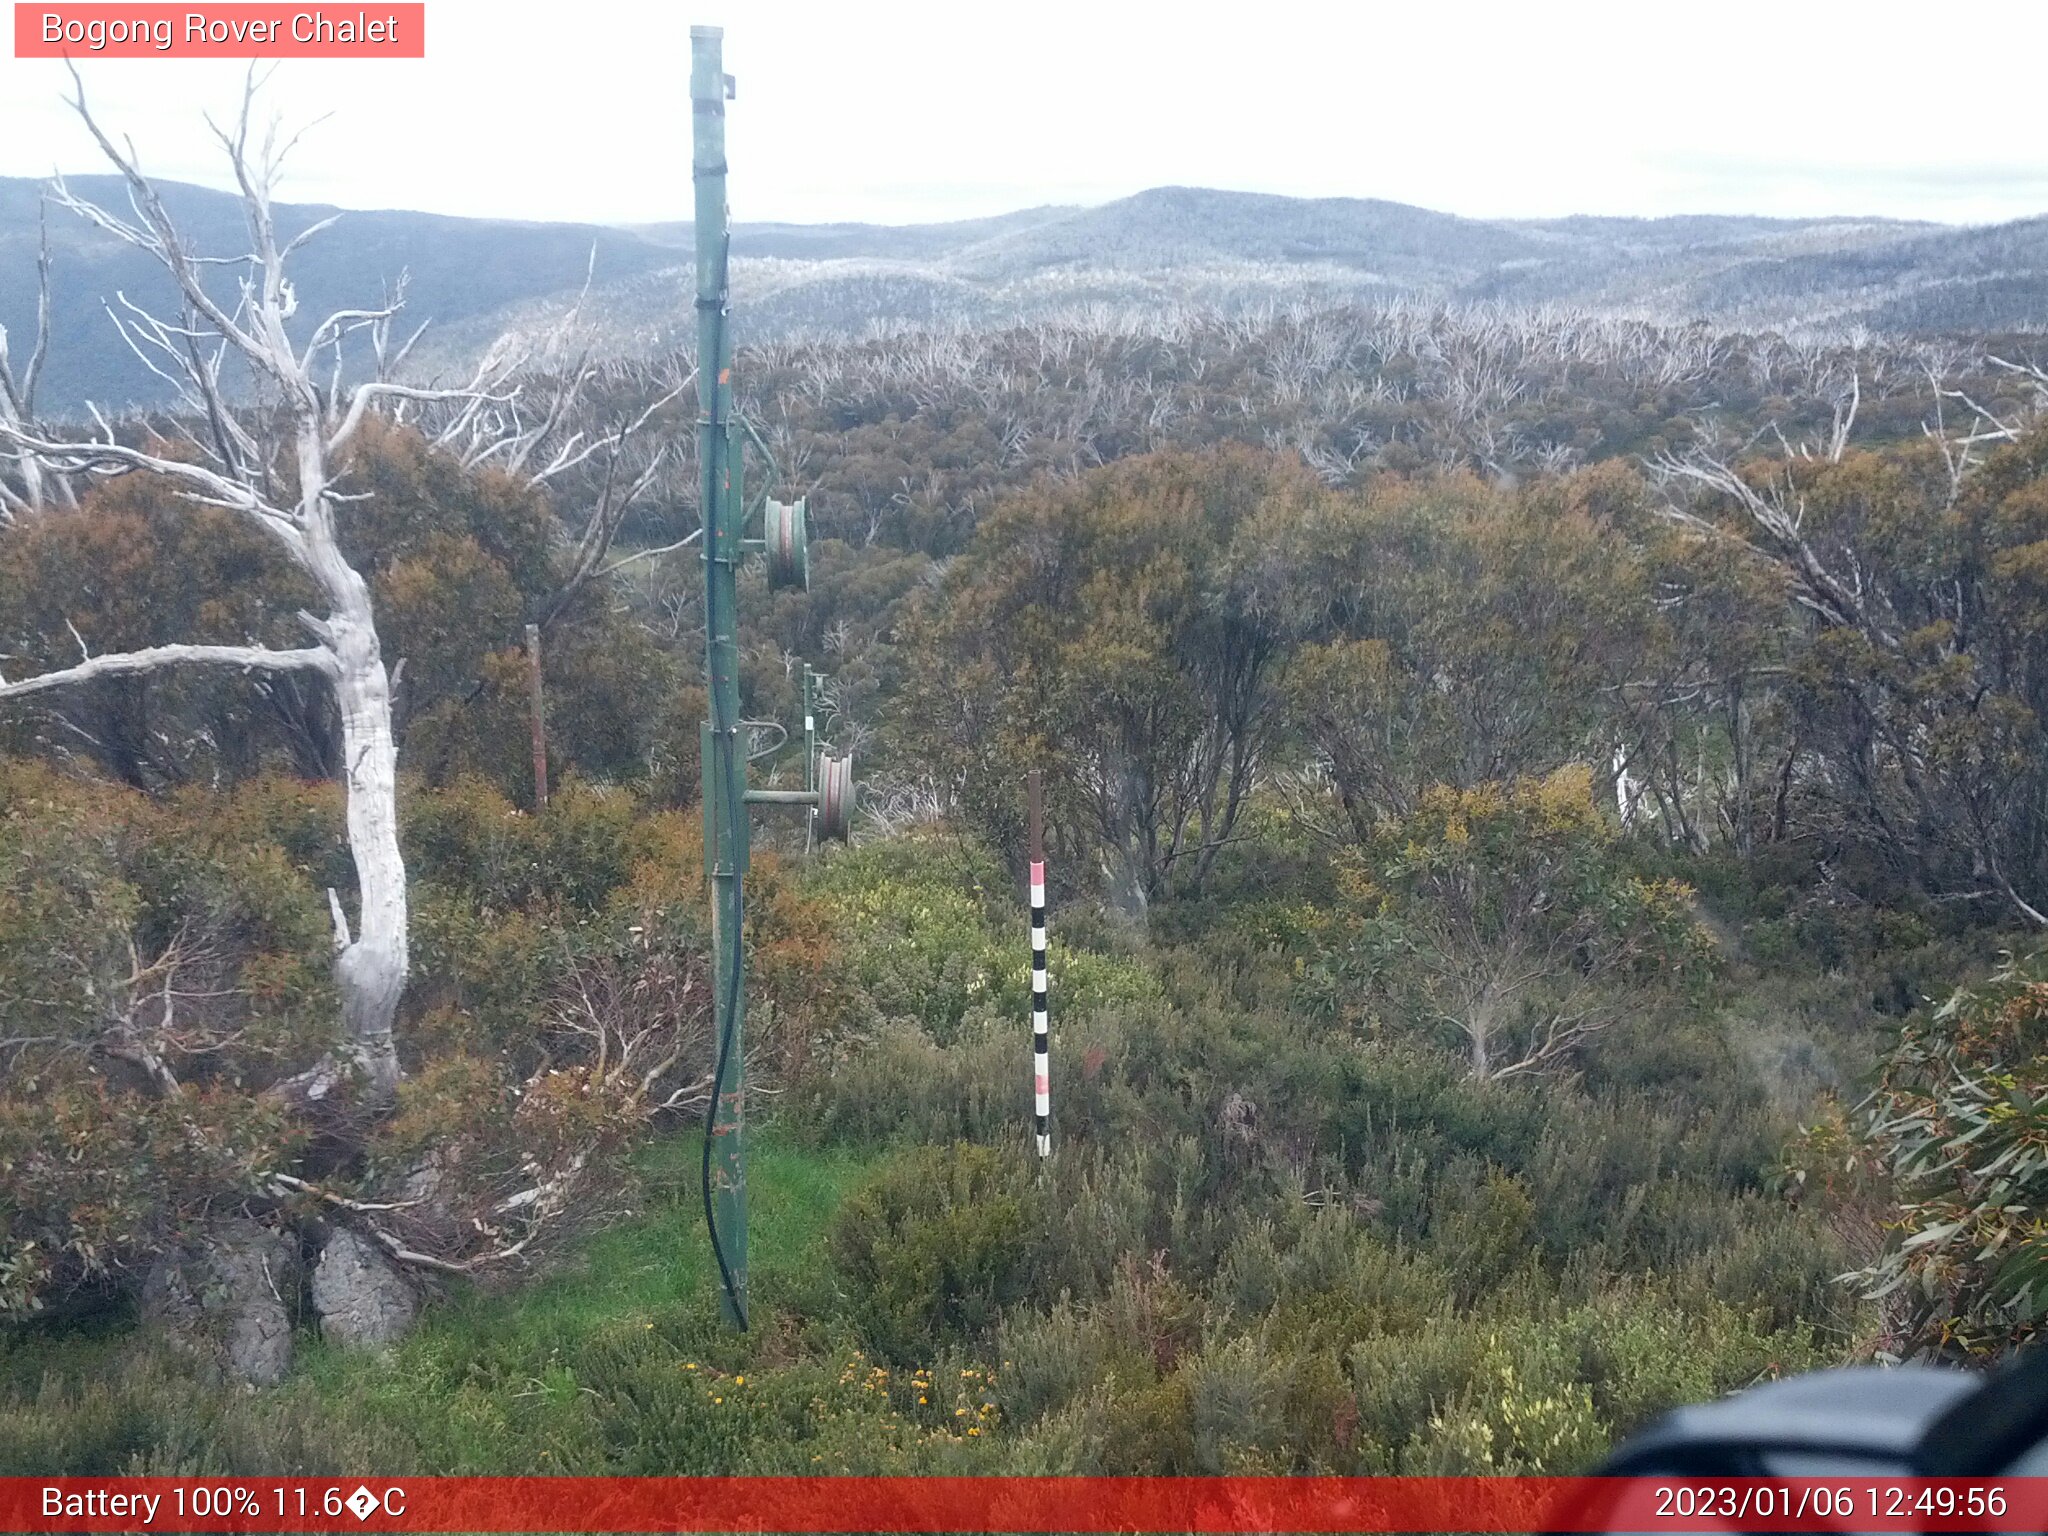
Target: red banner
238 31
1021 1504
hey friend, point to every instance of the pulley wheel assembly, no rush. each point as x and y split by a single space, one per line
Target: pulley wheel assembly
785 531
835 796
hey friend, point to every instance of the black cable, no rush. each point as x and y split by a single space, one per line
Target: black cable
732 1001
735 808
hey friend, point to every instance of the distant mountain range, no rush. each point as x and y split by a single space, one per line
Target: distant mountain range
1166 248
457 270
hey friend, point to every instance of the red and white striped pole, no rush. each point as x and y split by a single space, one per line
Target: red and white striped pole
1041 1037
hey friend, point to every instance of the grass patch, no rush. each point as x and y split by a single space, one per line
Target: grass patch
654 1267
612 1362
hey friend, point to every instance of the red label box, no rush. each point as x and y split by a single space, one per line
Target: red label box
378 30
1104 1506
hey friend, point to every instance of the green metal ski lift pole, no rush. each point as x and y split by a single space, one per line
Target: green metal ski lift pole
828 791
725 814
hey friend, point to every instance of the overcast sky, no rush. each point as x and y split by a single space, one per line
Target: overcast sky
893 111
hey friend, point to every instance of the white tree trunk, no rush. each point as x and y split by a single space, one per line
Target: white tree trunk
371 970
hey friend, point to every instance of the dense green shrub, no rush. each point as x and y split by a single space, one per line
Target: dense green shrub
934 1246
935 932
1959 1123
157 971
1508 920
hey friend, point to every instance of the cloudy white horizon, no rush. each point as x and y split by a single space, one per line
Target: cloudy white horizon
900 112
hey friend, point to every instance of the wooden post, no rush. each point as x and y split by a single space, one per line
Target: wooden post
540 719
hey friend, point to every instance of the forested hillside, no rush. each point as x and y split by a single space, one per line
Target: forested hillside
1152 259
1546 821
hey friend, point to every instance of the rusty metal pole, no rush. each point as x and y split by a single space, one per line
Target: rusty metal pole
538 707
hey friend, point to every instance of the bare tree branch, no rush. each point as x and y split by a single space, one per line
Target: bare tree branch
152 658
18 395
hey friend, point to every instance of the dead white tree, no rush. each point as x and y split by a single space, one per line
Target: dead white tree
18 391
1832 583
1776 532
596 462
1959 449
273 455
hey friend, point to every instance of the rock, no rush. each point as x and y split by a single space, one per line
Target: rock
363 1302
430 1191
425 1182
228 1295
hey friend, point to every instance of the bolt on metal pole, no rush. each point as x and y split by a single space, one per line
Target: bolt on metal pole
724 766
810 731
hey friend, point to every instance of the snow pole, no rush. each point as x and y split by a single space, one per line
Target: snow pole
1041 1036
